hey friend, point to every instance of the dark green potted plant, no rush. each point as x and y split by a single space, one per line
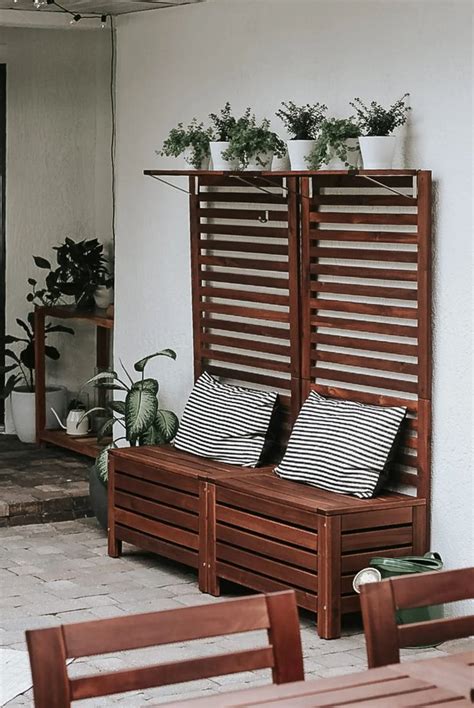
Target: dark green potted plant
303 124
253 145
81 268
140 416
377 144
337 140
223 126
191 141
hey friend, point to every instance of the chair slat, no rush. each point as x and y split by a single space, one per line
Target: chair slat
442 630
450 586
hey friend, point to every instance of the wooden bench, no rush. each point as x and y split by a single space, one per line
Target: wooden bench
291 311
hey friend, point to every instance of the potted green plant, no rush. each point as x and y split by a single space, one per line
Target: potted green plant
337 142
20 385
377 144
253 145
140 416
81 268
223 126
303 124
191 141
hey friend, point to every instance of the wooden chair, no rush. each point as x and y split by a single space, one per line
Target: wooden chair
380 601
50 648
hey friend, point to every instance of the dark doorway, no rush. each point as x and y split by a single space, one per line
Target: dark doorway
3 131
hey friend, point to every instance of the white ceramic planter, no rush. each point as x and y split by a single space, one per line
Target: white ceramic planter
299 150
103 297
218 162
377 151
23 411
187 154
264 162
353 156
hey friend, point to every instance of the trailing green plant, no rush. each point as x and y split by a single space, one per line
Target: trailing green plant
332 141
140 415
195 137
80 268
22 361
250 141
302 122
377 120
224 123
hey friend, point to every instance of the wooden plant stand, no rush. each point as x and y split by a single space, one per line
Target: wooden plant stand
86 445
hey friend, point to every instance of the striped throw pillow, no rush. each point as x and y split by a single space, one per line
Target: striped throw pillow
226 423
341 446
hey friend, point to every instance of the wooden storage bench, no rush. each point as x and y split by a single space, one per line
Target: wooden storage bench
159 499
271 534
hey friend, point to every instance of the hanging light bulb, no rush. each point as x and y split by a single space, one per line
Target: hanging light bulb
39 4
103 21
75 18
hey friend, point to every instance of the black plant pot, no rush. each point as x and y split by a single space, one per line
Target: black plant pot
98 497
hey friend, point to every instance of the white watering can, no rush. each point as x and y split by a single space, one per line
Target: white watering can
77 423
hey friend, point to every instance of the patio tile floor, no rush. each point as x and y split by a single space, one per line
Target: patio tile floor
54 573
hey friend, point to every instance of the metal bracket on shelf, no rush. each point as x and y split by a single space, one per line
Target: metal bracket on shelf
170 184
382 185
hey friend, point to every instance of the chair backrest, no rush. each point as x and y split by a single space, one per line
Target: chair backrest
49 649
380 601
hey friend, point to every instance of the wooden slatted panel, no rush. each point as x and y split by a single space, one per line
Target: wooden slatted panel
365 302
244 242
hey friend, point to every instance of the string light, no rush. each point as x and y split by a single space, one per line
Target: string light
103 21
75 16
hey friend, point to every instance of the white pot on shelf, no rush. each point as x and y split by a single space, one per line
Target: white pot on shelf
187 154
259 162
377 151
218 162
299 150
353 156
103 297
23 410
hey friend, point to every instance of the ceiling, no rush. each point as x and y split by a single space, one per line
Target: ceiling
106 7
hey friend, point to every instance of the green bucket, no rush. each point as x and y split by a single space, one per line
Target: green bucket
407 565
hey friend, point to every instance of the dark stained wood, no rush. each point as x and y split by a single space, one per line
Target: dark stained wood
40 374
49 648
329 577
339 217
380 601
363 236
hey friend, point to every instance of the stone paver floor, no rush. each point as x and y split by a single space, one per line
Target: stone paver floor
60 572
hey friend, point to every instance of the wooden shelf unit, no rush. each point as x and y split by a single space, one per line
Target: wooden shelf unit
86 445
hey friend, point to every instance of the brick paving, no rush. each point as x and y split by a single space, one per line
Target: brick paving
53 573
38 485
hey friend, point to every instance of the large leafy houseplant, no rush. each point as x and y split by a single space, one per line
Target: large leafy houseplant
253 143
192 140
139 414
375 120
302 122
333 140
80 268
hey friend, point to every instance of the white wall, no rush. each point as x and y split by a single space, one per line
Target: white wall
58 162
174 64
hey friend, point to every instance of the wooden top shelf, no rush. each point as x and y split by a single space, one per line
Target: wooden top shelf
69 312
270 173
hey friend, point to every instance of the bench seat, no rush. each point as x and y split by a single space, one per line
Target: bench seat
272 534
158 499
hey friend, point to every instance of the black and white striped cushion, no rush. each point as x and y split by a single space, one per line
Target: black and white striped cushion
341 446
226 423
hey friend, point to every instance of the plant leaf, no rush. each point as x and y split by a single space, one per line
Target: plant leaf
42 262
140 365
101 376
166 422
52 352
141 406
7 368
147 385
9 386
59 328
118 407
102 461
105 428
152 436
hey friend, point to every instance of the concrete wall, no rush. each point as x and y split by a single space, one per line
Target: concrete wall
178 63
58 162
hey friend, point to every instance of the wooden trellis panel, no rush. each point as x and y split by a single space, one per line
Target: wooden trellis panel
245 261
366 300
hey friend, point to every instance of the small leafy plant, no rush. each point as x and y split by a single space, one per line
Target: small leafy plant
23 361
195 138
377 120
332 140
302 122
81 268
253 142
140 416
223 123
